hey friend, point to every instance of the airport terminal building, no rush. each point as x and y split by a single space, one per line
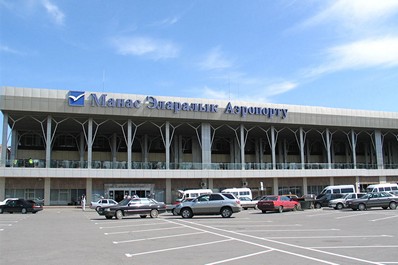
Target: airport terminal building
66 143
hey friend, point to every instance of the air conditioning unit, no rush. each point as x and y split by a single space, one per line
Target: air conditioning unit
244 183
203 184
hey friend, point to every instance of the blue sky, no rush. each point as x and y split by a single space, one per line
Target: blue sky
340 54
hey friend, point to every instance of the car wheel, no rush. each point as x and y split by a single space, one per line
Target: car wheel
174 212
296 207
143 215
263 211
119 214
255 207
226 212
24 211
393 205
1 210
318 205
186 213
280 209
108 217
339 206
361 207
97 209
154 213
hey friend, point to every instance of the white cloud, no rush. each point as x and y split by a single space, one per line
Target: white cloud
366 53
144 46
56 14
280 88
6 49
354 13
215 60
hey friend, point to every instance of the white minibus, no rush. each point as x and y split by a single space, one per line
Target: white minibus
342 189
192 194
239 192
382 187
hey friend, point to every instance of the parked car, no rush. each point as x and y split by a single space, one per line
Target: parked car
277 203
341 203
375 199
322 200
247 203
102 203
20 206
209 204
140 206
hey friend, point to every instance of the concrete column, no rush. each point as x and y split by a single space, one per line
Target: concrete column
14 145
273 144
379 150
146 148
48 142
129 144
210 182
275 186
47 191
167 147
242 146
89 190
331 180
305 186
168 191
328 145
2 188
90 143
302 146
206 145
4 143
353 148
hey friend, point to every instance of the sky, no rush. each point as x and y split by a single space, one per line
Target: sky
338 54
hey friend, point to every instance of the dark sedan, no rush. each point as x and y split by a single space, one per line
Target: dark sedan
20 206
376 199
136 206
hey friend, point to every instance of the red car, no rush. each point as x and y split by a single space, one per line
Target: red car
277 203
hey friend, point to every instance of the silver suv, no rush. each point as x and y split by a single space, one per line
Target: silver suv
341 203
209 204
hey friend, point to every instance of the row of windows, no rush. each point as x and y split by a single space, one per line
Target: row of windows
220 146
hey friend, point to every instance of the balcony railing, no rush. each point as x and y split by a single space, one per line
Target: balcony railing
41 163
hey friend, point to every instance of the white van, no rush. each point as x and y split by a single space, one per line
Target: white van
239 192
342 189
382 187
192 194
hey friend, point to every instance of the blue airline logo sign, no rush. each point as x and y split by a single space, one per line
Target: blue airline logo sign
76 98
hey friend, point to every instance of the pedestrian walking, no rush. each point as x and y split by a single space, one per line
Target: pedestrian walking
84 202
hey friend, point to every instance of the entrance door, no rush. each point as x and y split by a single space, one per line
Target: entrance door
118 195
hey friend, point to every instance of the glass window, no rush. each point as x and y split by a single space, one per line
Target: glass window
216 197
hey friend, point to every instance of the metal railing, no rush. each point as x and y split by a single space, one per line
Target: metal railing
41 163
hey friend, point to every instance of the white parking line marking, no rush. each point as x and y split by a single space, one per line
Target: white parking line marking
148 230
380 219
168 249
324 237
154 238
245 241
122 226
293 230
346 247
290 245
240 257
296 225
349 216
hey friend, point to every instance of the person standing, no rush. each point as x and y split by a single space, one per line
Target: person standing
84 202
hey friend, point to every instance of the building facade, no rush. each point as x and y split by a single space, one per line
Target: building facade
65 143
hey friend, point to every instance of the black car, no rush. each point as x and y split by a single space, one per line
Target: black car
20 206
140 206
322 200
383 199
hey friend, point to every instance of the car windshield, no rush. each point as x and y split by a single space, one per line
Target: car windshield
270 198
124 202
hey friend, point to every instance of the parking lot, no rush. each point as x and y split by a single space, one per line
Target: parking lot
322 236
